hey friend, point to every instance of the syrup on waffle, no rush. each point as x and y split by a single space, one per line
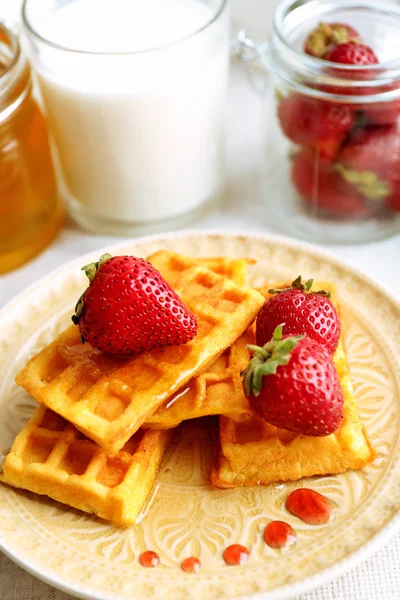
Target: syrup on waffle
249 451
51 457
218 390
109 398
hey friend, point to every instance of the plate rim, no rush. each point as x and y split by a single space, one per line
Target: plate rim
280 239
290 590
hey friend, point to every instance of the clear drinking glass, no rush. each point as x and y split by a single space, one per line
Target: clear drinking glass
135 93
346 187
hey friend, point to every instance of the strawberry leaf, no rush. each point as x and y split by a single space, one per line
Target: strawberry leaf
267 359
93 268
303 287
366 182
286 346
258 349
278 333
279 95
91 271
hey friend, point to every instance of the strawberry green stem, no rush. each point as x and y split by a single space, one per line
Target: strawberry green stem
93 268
304 287
91 271
267 359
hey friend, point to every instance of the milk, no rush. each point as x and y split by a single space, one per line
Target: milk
138 134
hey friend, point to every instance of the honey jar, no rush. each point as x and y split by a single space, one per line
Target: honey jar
30 208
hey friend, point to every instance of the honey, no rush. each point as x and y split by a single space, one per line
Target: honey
30 208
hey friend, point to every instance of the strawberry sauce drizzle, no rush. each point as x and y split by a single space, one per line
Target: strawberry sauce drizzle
236 555
279 534
310 506
191 565
149 559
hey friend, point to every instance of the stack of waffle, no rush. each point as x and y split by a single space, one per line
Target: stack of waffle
97 438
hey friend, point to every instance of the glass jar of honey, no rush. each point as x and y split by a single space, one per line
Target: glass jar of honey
30 208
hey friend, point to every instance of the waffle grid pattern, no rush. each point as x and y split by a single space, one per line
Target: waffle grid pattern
51 457
249 451
216 391
108 399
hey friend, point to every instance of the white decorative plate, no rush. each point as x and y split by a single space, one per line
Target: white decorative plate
185 517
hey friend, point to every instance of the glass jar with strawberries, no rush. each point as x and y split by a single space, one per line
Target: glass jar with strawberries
332 161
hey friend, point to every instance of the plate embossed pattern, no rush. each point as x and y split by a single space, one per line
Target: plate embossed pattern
185 515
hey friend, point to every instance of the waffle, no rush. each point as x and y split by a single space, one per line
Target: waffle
108 398
52 458
216 391
170 264
249 451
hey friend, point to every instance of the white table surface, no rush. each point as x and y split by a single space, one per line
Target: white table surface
379 577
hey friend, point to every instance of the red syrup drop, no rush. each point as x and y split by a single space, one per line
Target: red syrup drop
149 559
191 565
236 555
309 506
278 534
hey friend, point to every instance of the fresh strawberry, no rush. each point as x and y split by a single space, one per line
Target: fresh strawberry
373 148
326 36
352 53
129 307
392 202
379 192
370 162
384 113
293 384
303 312
324 191
315 123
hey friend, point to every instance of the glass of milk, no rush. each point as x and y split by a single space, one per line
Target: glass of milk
135 96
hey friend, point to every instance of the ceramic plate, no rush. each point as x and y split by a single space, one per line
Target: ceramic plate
185 516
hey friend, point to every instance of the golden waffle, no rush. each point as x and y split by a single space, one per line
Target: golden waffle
170 264
216 391
52 458
108 398
249 451
219 389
